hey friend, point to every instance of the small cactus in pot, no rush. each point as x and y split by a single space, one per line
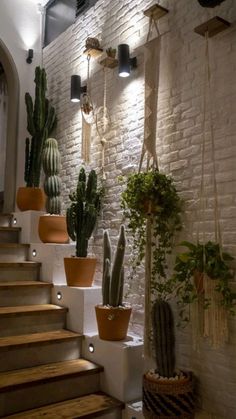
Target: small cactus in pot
113 316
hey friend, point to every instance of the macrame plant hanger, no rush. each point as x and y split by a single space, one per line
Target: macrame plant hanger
152 59
87 118
212 321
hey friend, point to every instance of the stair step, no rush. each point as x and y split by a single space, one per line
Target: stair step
13 252
19 293
5 220
87 407
31 319
35 387
24 351
10 271
9 234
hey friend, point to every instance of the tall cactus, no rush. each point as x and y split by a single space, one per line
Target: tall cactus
52 183
163 338
113 278
82 214
41 121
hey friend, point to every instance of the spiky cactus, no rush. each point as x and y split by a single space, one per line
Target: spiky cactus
41 121
113 277
82 214
52 183
163 338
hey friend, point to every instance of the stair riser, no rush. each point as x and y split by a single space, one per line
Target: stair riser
39 354
5 220
23 274
31 323
18 254
9 236
37 395
21 296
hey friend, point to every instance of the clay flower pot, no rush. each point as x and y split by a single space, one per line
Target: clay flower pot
30 199
53 229
112 322
79 271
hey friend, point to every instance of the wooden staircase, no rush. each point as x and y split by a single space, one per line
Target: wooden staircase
41 372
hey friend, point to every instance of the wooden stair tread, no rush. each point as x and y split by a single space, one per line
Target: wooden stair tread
47 372
22 284
10 228
14 245
35 309
43 337
90 406
25 264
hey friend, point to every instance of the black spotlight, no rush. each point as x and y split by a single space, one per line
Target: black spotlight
30 56
124 61
76 89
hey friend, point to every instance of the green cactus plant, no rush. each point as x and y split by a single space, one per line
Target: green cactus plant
113 276
41 121
82 214
163 338
52 184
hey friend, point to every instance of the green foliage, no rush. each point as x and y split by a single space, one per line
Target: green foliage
153 194
82 214
113 276
204 259
41 121
52 184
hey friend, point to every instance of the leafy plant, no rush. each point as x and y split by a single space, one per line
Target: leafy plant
82 214
202 259
153 195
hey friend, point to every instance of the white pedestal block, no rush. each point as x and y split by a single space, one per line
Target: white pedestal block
80 302
52 258
133 410
123 365
28 221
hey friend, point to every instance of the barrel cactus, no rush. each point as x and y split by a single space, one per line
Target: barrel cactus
163 338
52 183
82 214
41 120
113 276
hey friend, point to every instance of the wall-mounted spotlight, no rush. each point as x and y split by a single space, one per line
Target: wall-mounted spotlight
30 56
125 63
76 89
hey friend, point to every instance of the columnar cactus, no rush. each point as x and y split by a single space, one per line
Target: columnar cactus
163 338
113 277
41 120
52 183
82 214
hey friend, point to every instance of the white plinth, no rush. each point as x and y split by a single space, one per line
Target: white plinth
28 221
123 365
80 302
52 258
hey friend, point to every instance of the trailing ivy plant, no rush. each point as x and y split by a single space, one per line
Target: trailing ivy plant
153 195
202 259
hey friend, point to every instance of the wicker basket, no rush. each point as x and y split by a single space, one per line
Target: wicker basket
168 399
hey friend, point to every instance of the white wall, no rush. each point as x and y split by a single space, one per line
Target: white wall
180 128
19 31
3 128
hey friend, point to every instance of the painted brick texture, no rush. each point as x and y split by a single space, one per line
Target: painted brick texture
181 119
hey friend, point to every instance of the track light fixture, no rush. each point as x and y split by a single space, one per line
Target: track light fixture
125 63
30 55
76 89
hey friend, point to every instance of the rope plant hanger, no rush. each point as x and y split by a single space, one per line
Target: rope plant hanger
87 117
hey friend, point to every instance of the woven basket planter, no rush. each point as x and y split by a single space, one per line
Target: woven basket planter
168 399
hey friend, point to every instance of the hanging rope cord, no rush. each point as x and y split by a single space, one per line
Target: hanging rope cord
207 86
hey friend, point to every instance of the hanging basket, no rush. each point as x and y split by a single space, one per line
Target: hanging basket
168 399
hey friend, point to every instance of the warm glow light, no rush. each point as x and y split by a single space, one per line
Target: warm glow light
75 100
34 253
124 74
91 348
59 295
14 221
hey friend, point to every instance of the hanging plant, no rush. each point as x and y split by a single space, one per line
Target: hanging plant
153 195
190 268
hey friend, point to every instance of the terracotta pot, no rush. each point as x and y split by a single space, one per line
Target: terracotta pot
112 322
79 271
30 199
166 399
53 229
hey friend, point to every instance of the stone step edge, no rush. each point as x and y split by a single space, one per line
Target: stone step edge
28 377
28 310
9 228
25 264
27 284
74 408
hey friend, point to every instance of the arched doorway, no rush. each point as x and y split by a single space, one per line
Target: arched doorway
12 125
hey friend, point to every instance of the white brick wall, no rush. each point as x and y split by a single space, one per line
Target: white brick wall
180 127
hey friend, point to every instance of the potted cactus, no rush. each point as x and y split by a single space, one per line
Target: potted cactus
81 217
52 226
167 392
41 121
113 316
